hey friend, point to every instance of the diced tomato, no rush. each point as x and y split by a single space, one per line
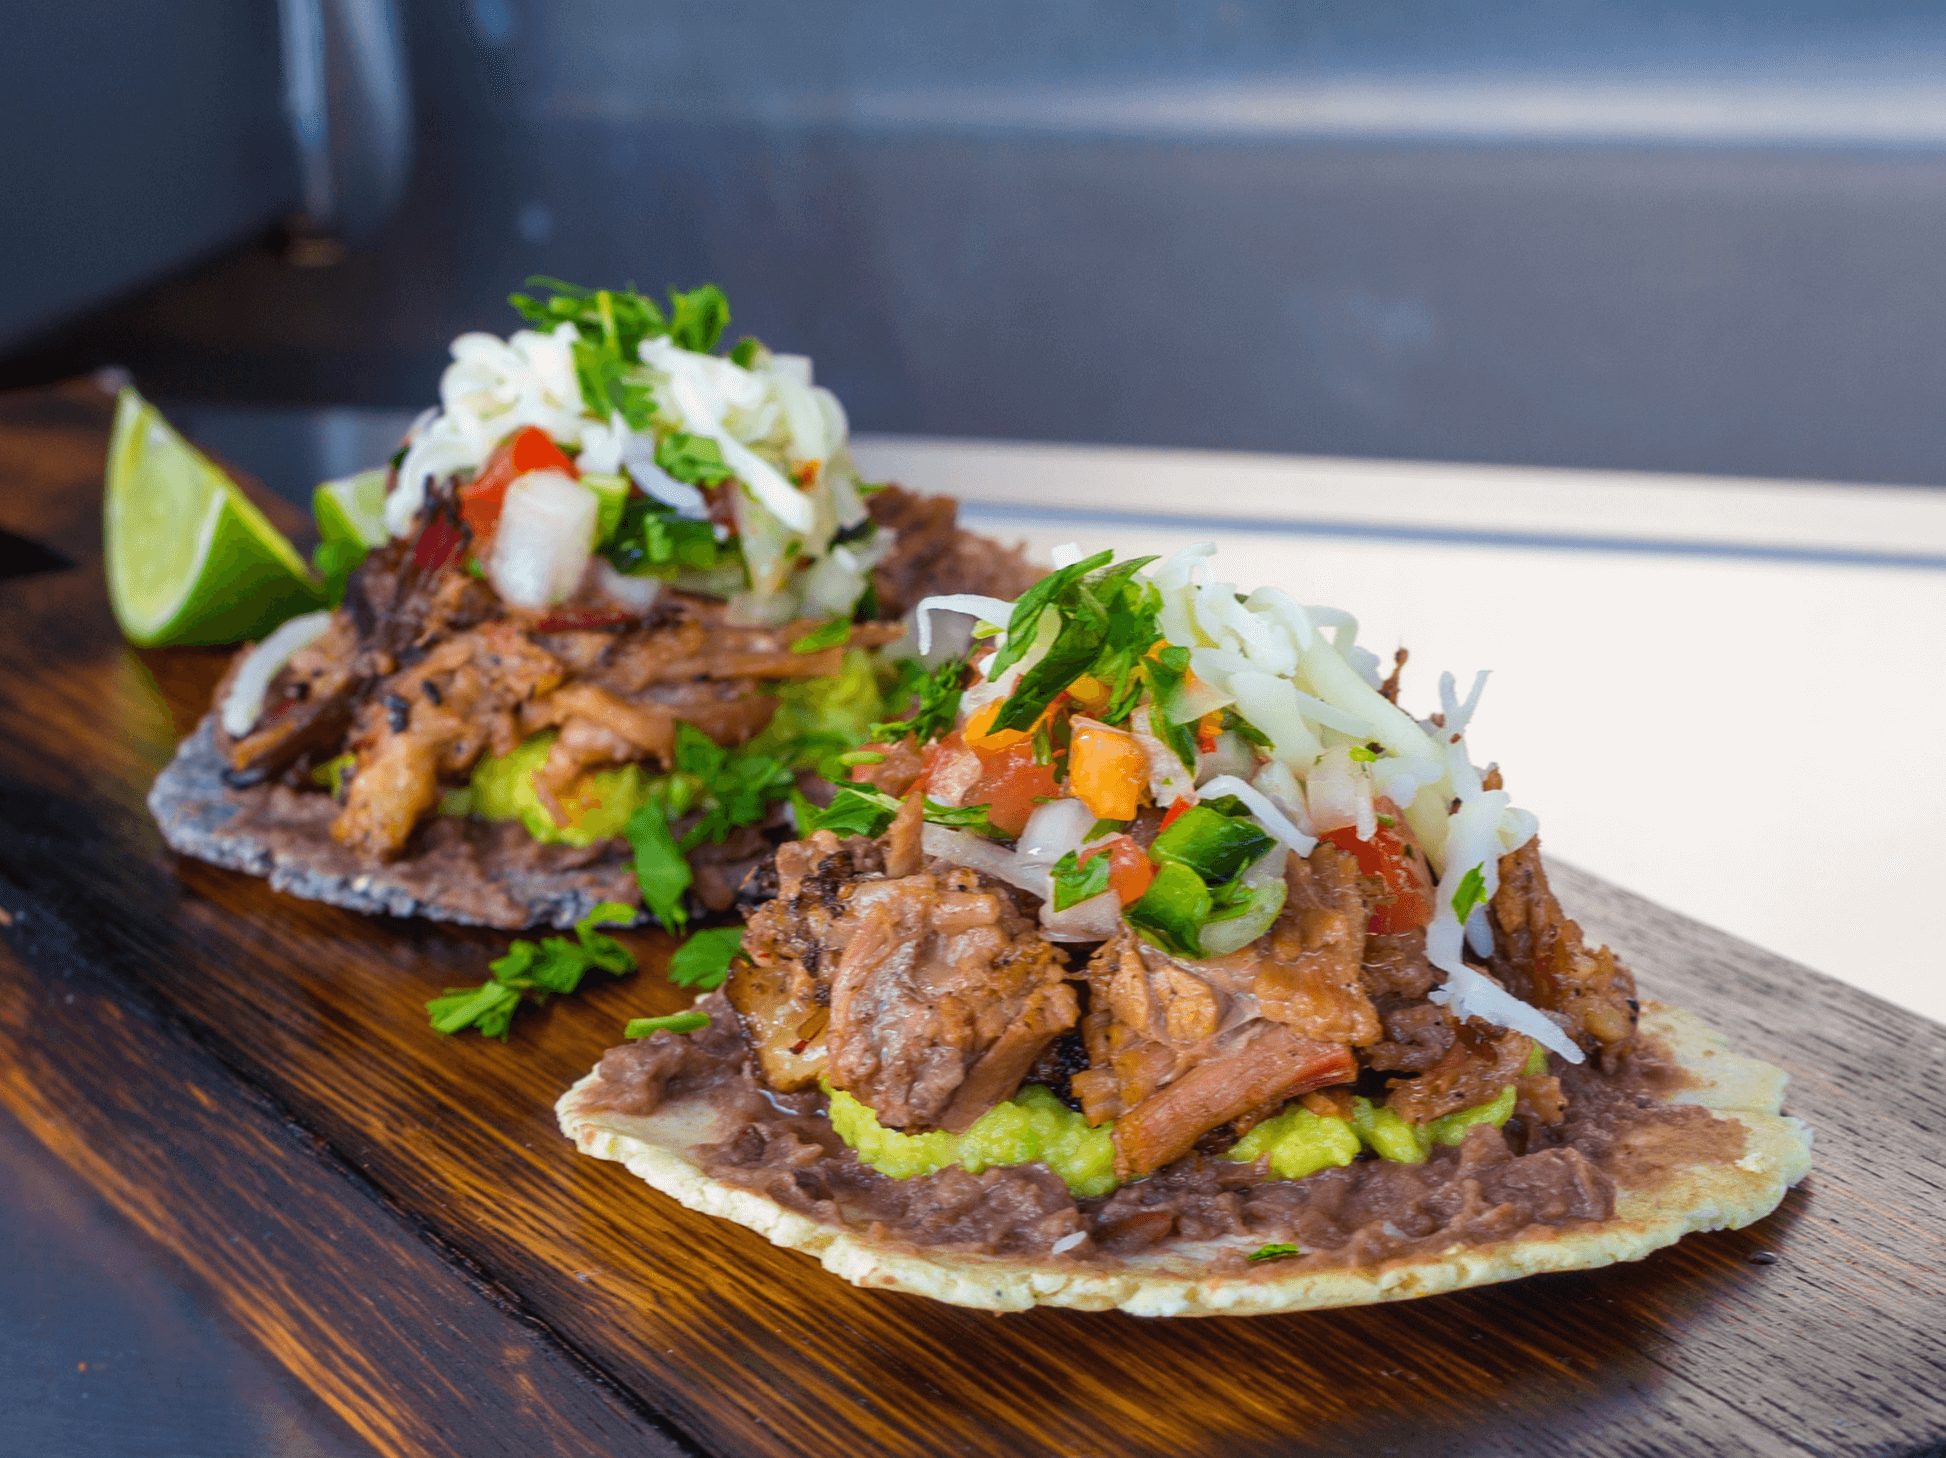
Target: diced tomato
439 541
1207 728
1012 786
1107 770
1176 808
1129 868
527 449
1392 857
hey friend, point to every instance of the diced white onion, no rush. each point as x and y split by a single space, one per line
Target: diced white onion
1170 779
959 848
679 496
1331 790
971 604
243 703
638 594
1094 920
1263 809
1053 830
1470 993
544 540
1232 755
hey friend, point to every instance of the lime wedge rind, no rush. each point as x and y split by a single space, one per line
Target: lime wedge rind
189 559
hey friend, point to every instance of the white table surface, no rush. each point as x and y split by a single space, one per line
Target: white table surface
1721 694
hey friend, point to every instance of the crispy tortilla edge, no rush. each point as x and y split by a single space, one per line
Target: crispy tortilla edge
1657 1211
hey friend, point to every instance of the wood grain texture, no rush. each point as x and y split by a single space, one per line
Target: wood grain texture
270 1061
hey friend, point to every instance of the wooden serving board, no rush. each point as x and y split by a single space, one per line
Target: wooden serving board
250 1080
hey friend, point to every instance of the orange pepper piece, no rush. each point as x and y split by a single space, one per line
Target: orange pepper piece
1107 771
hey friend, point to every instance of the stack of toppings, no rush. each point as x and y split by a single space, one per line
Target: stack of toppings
611 440
1254 726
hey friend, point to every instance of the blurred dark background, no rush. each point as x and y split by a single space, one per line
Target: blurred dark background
1580 232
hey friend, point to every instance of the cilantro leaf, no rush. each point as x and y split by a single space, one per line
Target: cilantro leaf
693 458
1167 672
704 960
1034 602
692 1021
1107 623
553 965
652 540
1470 892
745 351
1277 1250
833 634
698 318
660 869
1076 880
854 810
963 817
935 696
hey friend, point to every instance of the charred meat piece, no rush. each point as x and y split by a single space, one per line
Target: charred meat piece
927 995
1541 956
1480 1061
1177 1049
408 741
783 991
931 554
1253 1068
1309 975
943 997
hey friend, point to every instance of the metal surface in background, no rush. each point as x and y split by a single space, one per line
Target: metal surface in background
1630 235
134 139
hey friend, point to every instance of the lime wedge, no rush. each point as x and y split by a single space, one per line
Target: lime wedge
350 514
189 559
352 510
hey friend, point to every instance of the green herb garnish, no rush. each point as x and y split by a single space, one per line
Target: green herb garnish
704 960
1470 892
1107 623
1277 1250
693 458
935 696
681 1022
1173 911
535 970
834 634
1076 880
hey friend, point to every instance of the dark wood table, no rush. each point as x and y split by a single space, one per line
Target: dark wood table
393 1218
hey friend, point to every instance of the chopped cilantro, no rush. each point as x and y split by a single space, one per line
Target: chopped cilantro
744 352
935 696
854 810
1277 1250
834 634
681 1022
660 868
1076 880
1168 671
1107 623
1105 827
704 960
862 810
652 540
1364 754
551 966
962 817
698 318
693 458
1472 890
